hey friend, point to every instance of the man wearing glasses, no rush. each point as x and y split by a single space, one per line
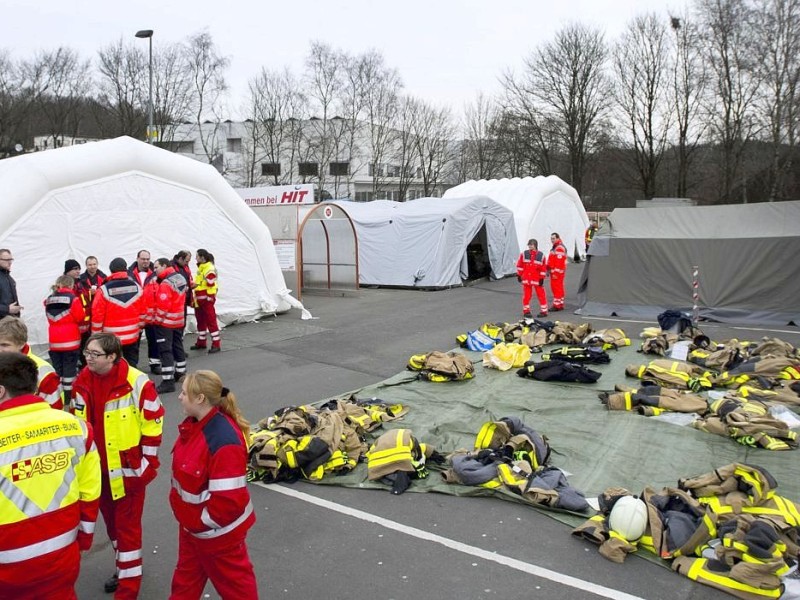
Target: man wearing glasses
9 303
123 407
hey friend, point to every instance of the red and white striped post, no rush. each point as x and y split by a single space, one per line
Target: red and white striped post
695 295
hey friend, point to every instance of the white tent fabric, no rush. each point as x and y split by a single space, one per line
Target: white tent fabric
114 197
541 206
423 242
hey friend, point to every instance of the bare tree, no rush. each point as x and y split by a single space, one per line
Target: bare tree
689 82
276 109
479 149
567 79
777 33
20 87
641 71
730 52
324 76
433 136
172 89
65 85
122 89
207 70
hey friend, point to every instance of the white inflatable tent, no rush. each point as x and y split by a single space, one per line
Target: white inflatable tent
428 242
114 197
541 206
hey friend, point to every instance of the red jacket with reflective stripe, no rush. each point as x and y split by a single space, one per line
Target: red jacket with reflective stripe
51 514
531 267
168 299
65 315
557 260
119 308
209 493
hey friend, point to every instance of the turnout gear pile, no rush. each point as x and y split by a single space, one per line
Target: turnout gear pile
510 455
672 373
439 366
558 370
607 339
308 442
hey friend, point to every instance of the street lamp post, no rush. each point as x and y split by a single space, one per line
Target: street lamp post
148 33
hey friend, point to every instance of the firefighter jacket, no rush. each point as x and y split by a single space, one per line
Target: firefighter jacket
557 260
565 332
119 308
763 371
209 494
652 400
513 438
397 450
206 282
672 373
531 268
65 316
749 422
49 383
130 429
51 483
607 339
168 299
579 354
782 394
442 366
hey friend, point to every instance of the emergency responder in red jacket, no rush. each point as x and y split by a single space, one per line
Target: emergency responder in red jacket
91 279
531 270
65 317
168 309
209 494
557 268
14 338
122 405
141 271
51 484
119 308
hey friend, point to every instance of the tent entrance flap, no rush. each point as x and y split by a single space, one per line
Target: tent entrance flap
478 265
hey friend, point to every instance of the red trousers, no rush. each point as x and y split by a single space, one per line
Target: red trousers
527 293
229 569
557 287
206 316
48 577
123 519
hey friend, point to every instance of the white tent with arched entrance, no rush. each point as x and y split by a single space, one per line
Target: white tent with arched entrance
114 197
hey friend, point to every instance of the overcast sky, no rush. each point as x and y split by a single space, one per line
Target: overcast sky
445 50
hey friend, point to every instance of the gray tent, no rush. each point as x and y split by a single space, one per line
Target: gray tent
432 242
641 263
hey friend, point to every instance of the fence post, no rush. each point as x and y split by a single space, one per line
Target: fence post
695 295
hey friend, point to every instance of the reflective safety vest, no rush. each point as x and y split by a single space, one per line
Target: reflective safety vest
206 280
50 474
132 426
48 385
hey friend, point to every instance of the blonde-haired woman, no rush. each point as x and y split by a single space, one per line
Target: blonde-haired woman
209 494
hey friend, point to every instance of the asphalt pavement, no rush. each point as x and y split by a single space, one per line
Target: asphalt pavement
313 541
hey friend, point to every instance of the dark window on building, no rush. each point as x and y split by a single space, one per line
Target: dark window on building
308 169
235 145
340 169
270 169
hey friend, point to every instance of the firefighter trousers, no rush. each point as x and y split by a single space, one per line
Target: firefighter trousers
229 569
123 519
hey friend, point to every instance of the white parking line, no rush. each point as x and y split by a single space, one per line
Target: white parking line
512 563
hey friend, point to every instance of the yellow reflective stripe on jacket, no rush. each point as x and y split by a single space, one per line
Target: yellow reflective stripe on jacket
398 453
628 401
485 435
698 572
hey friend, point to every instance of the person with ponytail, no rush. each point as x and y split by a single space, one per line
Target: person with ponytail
209 495
205 299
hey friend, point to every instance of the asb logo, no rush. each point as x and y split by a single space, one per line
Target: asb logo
41 465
